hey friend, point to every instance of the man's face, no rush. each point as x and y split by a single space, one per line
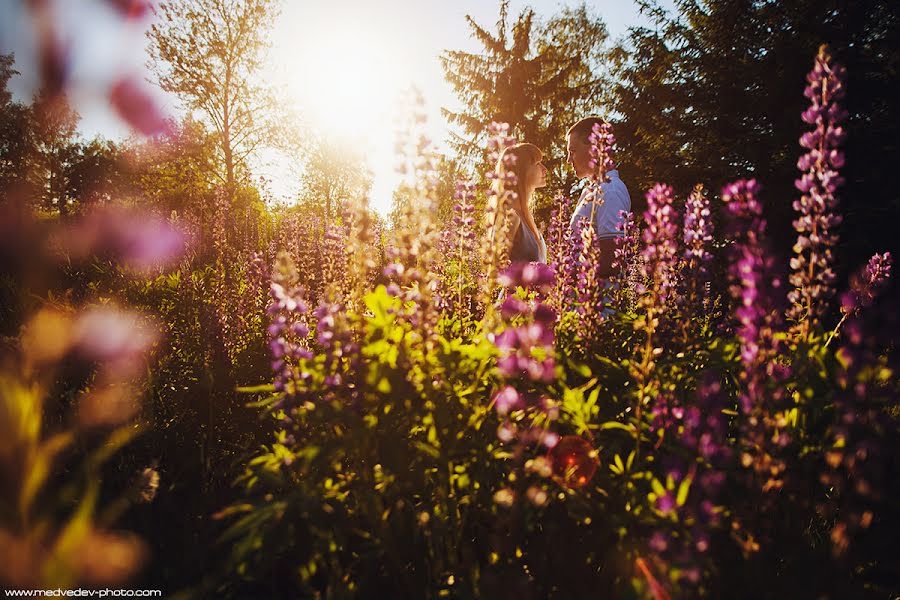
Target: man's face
579 156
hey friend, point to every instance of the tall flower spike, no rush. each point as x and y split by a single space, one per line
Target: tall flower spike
495 256
698 230
461 246
812 275
627 264
660 244
697 236
562 252
754 287
602 141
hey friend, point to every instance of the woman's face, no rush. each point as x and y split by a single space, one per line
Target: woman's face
537 176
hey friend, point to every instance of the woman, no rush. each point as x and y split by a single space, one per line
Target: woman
518 233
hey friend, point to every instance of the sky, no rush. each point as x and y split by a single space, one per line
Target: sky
334 58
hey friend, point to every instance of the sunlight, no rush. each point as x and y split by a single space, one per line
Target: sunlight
350 82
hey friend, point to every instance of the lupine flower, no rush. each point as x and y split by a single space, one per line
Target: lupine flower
536 276
698 230
660 249
140 240
496 256
108 334
627 264
518 346
865 285
288 330
812 275
698 431
590 286
412 250
460 244
602 142
754 287
563 248
526 362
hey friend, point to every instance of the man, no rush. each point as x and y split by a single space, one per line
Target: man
615 195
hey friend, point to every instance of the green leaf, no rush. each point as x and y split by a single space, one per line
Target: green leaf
683 490
256 389
616 425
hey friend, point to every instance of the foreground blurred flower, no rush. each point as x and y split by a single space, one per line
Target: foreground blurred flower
108 405
533 275
106 558
135 106
574 461
110 334
132 9
47 337
137 239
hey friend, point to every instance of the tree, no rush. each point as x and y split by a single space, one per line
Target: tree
177 171
208 53
15 130
539 77
447 173
96 172
701 100
54 126
332 174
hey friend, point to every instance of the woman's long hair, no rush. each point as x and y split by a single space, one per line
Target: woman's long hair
508 195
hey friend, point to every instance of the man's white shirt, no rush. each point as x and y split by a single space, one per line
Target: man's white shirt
607 222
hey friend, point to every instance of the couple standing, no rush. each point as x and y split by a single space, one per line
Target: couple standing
526 244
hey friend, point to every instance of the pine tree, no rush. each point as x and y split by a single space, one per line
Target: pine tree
540 77
712 92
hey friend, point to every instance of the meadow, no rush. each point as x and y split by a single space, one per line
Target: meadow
219 395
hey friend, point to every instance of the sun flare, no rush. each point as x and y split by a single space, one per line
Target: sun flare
349 83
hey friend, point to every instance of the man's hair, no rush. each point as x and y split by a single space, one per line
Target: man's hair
583 128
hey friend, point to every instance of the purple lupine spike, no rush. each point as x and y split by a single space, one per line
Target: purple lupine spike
659 254
602 142
755 287
562 253
526 354
589 285
865 285
698 229
812 276
626 265
287 329
460 243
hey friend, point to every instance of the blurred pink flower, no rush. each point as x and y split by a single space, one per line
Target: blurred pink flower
108 334
135 106
131 9
138 239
